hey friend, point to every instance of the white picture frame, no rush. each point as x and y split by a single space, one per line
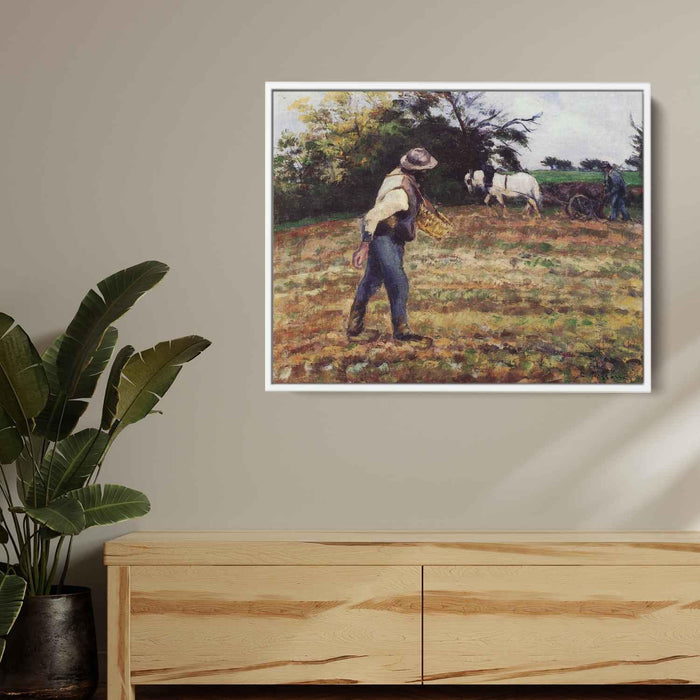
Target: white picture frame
275 386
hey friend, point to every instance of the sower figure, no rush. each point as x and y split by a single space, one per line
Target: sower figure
386 229
616 189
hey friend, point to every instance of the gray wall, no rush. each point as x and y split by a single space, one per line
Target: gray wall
135 130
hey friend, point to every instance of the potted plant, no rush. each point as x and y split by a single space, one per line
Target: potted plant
50 652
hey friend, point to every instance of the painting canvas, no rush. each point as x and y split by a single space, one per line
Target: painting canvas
458 237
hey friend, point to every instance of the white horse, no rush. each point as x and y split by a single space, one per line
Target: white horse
511 186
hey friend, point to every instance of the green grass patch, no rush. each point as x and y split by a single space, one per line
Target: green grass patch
555 176
287 225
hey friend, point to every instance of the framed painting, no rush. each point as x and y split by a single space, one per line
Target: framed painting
458 237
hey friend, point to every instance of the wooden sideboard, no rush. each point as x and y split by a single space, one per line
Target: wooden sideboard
396 607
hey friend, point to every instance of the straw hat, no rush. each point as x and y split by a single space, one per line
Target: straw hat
418 159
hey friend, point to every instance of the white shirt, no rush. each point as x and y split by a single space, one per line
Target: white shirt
391 198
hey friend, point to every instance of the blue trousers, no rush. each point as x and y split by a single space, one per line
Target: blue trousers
385 266
617 207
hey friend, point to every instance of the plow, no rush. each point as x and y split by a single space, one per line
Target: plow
582 208
583 201
579 201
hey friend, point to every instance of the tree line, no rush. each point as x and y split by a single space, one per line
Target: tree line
352 139
634 162
587 164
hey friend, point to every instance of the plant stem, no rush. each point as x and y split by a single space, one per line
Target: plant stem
45 551
6 525
26 558
8 498
20 545
54 566
35 548
7 492
20 540
65 566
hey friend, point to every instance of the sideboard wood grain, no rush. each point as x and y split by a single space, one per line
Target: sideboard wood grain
402 608
258 624
562 625
119 684
403 548
402 692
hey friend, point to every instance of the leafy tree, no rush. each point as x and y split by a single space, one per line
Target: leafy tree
592 164
636 160
352 139
485 131
556 163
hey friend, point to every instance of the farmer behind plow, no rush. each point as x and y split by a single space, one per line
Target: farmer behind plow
616 189
386 229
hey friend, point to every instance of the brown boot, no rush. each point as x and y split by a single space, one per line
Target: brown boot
402 331
356 320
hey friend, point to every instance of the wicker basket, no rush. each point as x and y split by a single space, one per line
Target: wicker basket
433 223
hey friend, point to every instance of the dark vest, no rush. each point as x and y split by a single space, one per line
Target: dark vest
402 225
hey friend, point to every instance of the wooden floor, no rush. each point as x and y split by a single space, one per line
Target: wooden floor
425 693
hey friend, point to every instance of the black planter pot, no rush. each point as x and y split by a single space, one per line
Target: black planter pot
51 652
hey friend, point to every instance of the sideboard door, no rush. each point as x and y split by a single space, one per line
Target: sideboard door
562 624
275 624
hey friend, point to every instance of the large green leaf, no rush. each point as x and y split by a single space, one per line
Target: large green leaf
109 504
64 515
91 374
10 439
148 375
66 466
46 533
12 590
62 413
117 294
109 409
49 361
23 384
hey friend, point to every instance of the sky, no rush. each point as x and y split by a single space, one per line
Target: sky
574 124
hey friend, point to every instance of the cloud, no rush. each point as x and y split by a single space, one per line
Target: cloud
576 124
